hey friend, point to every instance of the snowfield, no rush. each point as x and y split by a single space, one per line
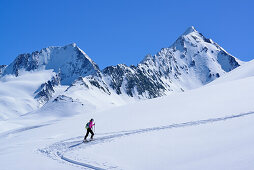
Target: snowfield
16 93
207 128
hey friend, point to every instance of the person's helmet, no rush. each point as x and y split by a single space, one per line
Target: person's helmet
91 120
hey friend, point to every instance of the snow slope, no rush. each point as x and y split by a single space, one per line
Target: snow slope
17 93
206 128
244 71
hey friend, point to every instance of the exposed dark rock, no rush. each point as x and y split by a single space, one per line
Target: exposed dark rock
2 67
46 90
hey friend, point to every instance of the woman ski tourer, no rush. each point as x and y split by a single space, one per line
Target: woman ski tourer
89 126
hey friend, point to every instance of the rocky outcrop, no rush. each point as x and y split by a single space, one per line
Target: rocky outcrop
46 90
2 67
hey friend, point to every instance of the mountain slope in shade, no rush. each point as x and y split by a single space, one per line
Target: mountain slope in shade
242 72
2 67
70 61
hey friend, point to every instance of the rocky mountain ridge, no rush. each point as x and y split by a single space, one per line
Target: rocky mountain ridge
190 62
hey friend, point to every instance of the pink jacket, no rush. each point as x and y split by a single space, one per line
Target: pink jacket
91 124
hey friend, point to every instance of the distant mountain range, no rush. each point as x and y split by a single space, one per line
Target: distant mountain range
190 62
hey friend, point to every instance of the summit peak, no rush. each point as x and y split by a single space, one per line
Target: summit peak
71 45
190 30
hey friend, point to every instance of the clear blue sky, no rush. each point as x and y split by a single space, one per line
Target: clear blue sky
122 31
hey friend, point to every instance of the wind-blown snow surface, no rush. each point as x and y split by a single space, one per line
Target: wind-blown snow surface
206 128
17 93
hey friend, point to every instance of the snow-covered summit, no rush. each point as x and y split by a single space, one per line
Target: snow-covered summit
190 30
69 60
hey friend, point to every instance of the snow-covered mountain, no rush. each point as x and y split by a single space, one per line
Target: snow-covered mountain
210 127
70 61
190 62
47 97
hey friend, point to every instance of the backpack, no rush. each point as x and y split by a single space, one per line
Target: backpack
87 125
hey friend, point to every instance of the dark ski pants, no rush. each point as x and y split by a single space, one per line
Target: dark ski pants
89 130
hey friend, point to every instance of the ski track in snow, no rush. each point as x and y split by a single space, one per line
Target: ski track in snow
56 151
22 130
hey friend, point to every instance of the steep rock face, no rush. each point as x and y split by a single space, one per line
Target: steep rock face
132 81
192 61
46 90
2 67
69 60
